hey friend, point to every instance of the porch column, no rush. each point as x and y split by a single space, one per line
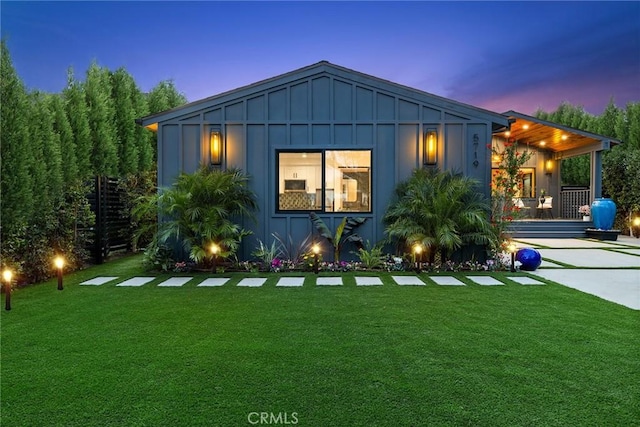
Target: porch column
596 174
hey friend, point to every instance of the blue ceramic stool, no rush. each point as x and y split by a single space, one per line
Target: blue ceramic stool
529 258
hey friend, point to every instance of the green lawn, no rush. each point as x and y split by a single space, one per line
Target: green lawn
319 356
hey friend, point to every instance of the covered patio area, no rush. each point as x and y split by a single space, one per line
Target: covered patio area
543 194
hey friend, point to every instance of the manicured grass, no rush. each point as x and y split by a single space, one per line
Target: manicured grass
335 356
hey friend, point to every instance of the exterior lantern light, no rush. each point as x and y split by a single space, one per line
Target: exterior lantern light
7 275
430 149
316 251
215 146
214 254
417 256
59 263
512 249
548 166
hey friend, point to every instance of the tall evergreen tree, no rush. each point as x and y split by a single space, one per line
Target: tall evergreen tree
607 121
165 96
15 154
62 127
101 121
78 114
123 89
46 169
144 137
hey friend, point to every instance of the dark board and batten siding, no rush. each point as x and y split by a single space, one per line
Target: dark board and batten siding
324 111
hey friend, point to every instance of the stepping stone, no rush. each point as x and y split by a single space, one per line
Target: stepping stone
214 281
446 280
175 281
97 281
329 281
290 281
526 280
136 281
368 281
252 282
485 280
408 280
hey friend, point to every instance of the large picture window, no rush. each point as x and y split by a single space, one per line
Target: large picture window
329 180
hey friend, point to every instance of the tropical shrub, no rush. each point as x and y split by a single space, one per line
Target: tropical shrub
344 232
442 211
371 257
200 209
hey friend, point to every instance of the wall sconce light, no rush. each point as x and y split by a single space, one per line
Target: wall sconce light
215 146
430 149
548 166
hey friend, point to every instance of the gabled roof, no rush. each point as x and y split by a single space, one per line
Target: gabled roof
326 67
552 136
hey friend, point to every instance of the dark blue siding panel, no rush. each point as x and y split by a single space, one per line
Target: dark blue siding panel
431 115
364 104
278 135
190 148
408 111
384 173
299 134
278 105
448 116
234 112
320 98
255 109
454 152
300 101
364 135
480 153
235 147
170 154
214 116
386 107
343 134
407 149
260 179
299 227
342 101
321 135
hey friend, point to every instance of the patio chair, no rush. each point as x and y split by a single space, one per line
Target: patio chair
518 203
545 207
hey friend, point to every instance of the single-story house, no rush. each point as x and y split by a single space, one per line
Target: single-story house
335 141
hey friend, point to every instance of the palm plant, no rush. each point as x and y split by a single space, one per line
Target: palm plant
203 208
440 210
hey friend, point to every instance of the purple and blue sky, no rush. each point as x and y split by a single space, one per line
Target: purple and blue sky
495 55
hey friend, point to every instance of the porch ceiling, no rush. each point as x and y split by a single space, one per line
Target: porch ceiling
551 136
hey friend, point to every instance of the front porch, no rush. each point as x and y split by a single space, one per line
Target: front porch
549 144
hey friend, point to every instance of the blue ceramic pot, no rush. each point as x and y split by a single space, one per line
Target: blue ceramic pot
603 213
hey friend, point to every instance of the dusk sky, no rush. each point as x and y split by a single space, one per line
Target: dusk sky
495 55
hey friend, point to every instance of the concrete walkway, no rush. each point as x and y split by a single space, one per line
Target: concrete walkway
606 269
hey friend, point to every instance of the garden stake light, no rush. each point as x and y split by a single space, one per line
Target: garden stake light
417 256
316 251
7 275
512 248
59 263
214 253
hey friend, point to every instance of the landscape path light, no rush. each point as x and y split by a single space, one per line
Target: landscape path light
316 252
417 256
7 275
512 249
59 263
214 254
